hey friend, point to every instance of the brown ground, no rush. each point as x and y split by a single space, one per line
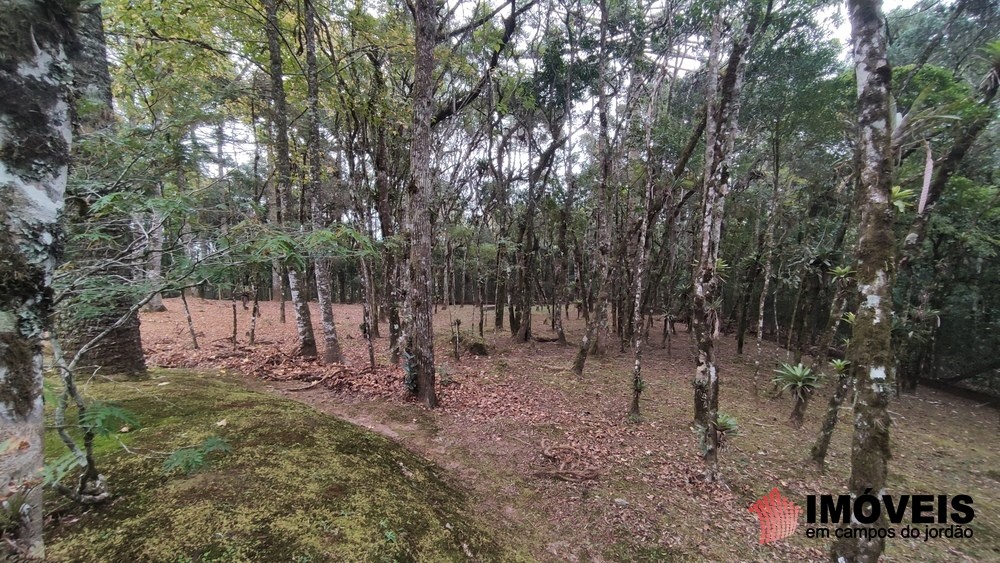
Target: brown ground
525 437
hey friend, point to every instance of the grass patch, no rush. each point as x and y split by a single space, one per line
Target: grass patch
297 485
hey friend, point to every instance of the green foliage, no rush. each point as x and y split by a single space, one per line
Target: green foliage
104 419
840 366
727 424
798 378
55 471
192 458
841 273
901 198
12 512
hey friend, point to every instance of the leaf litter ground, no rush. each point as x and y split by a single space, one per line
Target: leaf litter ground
551 459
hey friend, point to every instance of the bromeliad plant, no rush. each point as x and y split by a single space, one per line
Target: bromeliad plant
802 382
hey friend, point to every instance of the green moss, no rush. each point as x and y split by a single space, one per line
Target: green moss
298 485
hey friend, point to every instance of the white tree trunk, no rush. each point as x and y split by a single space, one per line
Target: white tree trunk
154 263
34 79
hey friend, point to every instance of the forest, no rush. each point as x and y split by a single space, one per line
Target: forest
498 280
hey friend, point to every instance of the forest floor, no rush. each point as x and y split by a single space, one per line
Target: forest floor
552 463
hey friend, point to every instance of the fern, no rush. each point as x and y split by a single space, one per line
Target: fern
56 470
189 459
104 419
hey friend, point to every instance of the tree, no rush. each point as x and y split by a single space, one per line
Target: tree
420 290
331 344
870 352
34 158
283 180
100 298
723 94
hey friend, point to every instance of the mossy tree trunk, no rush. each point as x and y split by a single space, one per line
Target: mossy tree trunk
35 80
870 352
279 117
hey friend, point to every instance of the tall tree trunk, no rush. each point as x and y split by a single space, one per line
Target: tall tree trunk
331 345
720 134
419 297
642 259
870 352
303 319
35 80
706 281
597 334
120 351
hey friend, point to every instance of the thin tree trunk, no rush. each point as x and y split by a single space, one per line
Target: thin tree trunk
644 249
706 281
254 313
190 323
720 134
597 334
154 263
822 444
331 345
366 278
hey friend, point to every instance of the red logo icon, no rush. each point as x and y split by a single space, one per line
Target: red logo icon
778 516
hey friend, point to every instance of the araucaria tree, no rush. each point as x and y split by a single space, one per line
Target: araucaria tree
870 352
34 157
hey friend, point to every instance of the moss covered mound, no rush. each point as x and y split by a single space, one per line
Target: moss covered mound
297 486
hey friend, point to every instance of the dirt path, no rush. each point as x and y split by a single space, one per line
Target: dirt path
550 460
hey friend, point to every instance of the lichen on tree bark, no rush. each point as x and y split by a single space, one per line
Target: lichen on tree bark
34 157
870 352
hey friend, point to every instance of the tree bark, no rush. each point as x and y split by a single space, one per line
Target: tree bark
419 297
870 352
35 80
279 116
120 351
331 344
720 132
